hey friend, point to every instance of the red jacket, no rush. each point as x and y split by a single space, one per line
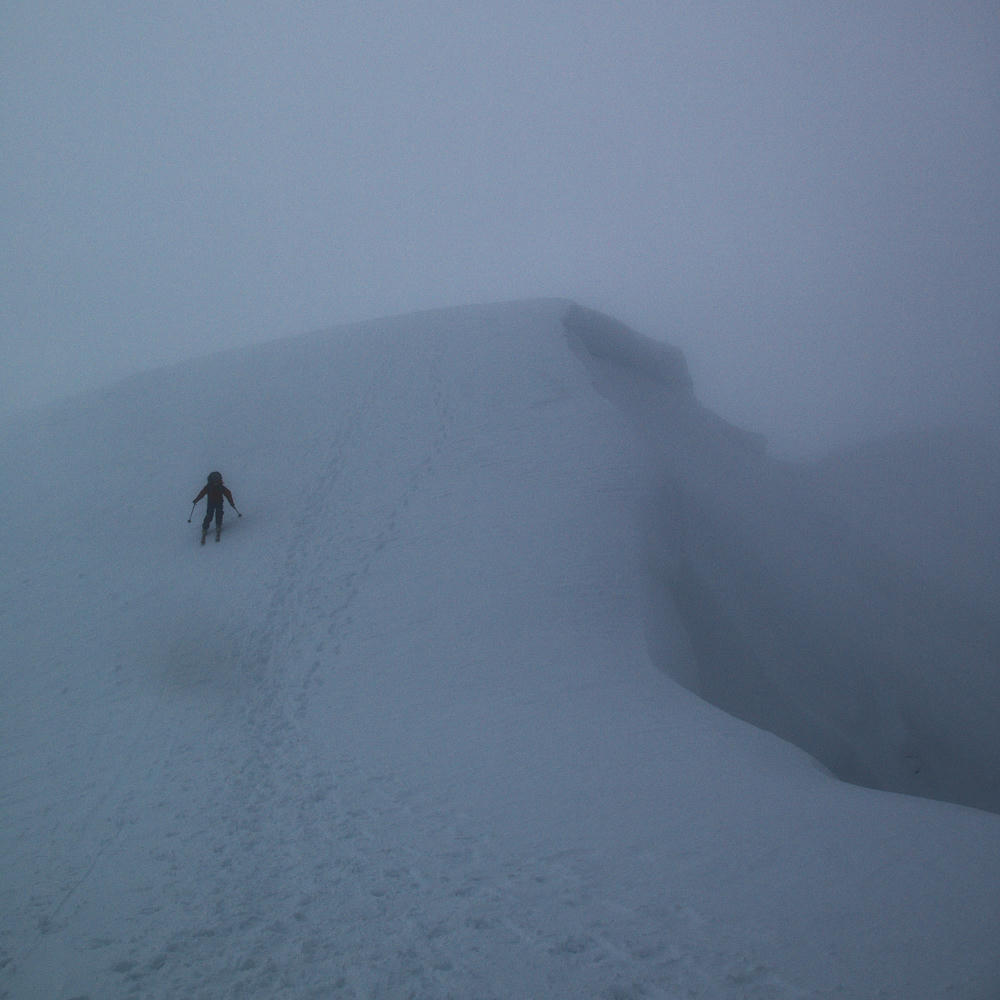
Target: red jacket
215 494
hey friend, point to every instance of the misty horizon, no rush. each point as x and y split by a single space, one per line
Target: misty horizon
800 199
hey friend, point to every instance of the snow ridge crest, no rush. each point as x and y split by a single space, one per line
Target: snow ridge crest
608 339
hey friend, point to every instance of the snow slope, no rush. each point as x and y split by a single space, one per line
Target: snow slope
416 727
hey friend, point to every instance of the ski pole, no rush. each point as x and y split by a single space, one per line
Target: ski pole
195 504
238 514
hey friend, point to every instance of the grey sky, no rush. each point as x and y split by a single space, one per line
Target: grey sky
802 196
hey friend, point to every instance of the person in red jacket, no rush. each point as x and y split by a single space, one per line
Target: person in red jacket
214 490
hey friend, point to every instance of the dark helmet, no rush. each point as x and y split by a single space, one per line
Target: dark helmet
215 478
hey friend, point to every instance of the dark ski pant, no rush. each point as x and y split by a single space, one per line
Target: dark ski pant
211 509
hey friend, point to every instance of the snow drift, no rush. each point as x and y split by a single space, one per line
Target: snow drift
414 727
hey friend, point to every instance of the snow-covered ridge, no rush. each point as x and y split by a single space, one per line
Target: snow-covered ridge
606 338
409 729
886 676
639 374
783 593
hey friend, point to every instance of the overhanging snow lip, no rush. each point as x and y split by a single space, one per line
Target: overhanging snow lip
607 339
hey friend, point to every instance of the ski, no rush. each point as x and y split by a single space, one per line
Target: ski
204 535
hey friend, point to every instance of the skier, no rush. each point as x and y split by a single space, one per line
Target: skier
214 490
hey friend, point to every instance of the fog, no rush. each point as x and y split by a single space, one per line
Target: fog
804 198
413 726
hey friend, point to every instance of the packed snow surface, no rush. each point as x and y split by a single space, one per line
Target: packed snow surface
431 719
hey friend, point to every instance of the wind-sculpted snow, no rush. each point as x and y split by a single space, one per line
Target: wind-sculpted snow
404 732
804 623
605 338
